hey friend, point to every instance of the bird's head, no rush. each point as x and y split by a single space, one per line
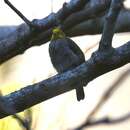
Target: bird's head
57 33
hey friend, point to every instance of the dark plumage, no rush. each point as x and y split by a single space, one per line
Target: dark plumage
66 55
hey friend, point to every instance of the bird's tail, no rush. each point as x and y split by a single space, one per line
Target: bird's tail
80 93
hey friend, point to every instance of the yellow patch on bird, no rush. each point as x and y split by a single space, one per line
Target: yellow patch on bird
57 33
56 30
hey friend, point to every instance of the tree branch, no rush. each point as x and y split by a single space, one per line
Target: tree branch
97 65
18 13
109 25
23 38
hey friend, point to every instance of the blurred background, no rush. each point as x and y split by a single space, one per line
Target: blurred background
62 112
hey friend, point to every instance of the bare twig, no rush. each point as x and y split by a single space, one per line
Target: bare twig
18 12
23 122
106 121
109 92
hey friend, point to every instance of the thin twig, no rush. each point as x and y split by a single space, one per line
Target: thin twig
29 23
106 121
23 122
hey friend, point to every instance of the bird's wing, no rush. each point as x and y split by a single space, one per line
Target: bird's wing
76 49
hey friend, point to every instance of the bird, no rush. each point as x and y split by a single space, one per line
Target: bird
65 55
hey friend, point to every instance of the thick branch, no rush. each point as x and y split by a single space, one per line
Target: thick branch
95 26
97 65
